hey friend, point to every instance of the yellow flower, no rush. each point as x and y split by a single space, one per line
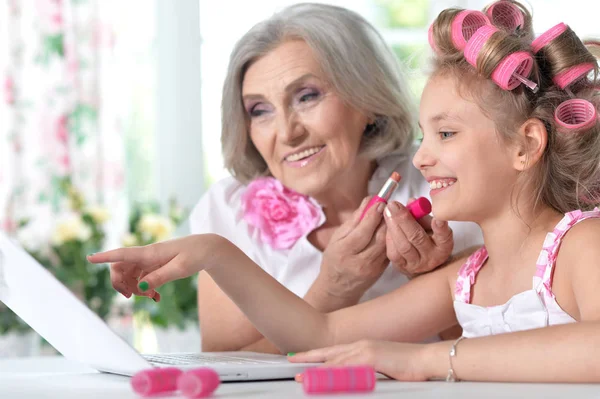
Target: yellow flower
156 226
99 213
129 240
72 228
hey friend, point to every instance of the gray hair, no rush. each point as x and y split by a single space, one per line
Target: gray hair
356 61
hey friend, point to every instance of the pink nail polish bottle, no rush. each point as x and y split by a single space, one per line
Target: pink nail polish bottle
198 383
152 381
419 207
339 379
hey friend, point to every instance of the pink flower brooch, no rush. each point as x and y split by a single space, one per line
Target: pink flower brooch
281 215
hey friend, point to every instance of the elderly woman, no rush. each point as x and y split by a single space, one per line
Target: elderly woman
316 116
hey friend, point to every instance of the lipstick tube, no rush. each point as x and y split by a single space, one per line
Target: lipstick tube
384 193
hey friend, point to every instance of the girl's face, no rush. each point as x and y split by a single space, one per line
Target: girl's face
307 135
469 168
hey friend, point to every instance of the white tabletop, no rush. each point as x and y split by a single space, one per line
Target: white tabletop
57 377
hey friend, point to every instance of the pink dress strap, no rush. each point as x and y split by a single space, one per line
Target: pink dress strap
467 273
547 258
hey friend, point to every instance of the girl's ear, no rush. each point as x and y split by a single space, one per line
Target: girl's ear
534 139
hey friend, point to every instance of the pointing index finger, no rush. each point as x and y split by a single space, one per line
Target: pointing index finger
129 255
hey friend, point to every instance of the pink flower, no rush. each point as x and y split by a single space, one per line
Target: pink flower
62 129
9 90
281 215
9 225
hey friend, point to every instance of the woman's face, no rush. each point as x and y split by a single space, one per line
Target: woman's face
307 135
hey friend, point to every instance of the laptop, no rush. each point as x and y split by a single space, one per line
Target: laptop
51 309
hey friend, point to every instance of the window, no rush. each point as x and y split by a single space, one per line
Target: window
402 23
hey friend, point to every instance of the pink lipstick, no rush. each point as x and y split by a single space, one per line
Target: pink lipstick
385 193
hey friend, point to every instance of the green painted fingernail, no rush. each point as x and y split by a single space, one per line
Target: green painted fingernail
291 353
143 286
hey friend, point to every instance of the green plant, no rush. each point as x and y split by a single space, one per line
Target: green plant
77 233
177 306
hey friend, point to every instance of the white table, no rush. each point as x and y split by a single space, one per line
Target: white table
57 377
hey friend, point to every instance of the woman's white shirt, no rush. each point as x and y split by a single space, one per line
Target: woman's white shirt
219 211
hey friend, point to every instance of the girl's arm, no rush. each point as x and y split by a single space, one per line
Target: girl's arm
415 311
565 353
224 326
354 259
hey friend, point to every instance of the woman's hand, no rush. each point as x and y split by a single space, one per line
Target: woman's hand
416 247
355 257
139 270
406 362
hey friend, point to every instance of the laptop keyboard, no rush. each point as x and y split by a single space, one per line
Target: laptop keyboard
198 358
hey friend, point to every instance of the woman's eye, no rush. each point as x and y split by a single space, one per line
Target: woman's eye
257 110
446 135
307 96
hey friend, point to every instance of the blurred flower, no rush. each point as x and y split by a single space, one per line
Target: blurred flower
72 228
99 213
95 303
176 213
31 237
129 240
61 129
156 226
76 200
9 90
61 246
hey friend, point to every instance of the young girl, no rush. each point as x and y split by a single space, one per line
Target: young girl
511 141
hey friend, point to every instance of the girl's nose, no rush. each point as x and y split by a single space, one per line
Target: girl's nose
423 157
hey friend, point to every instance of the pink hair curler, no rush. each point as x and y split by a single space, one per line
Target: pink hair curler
576 114
511 71
152 381
506 15
547 37
419 207
431 39
198 383
572 75
463 26
339 379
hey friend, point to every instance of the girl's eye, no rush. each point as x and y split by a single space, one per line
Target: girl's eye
446 135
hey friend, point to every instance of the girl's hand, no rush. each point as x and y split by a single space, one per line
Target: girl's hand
139 270
400 361
416 247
